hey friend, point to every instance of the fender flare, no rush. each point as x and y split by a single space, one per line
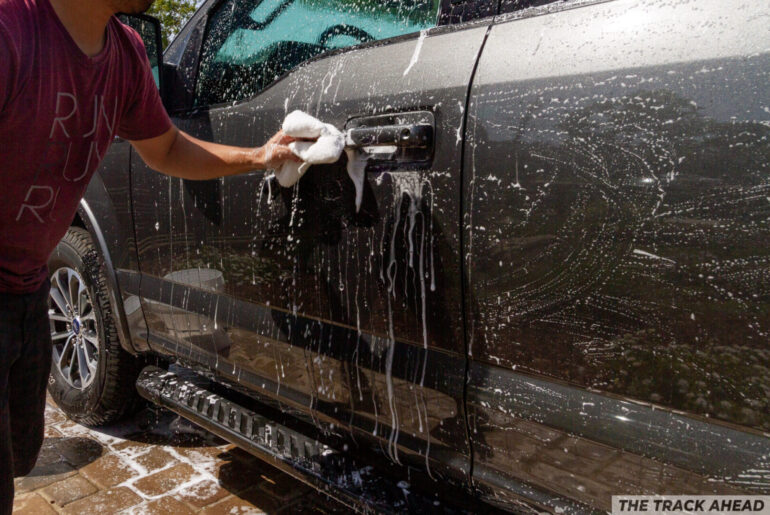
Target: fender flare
86 214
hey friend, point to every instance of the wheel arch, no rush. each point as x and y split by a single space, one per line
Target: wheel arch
86 219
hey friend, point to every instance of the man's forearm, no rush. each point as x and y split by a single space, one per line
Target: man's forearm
194 159
180 155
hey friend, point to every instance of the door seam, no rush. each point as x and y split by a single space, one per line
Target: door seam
463 271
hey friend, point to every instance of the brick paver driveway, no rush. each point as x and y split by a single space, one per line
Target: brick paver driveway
154 464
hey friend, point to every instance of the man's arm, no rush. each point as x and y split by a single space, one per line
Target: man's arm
178 154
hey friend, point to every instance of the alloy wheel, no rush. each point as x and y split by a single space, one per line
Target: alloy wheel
73 328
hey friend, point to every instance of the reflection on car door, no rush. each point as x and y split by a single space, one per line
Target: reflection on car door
613 244
350 317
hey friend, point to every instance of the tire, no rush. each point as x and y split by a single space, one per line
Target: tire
104 389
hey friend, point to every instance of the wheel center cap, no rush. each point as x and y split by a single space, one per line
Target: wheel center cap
76 325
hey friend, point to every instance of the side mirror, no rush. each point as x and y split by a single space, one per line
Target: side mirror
149 29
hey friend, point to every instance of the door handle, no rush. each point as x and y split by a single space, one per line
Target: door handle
416 136
394 141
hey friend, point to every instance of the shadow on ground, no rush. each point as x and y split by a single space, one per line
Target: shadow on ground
154 463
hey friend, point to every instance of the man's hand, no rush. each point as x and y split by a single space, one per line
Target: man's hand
275 152
178 154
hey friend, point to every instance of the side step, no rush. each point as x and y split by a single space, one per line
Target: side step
296 454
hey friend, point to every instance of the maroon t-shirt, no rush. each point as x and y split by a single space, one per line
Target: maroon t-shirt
59 112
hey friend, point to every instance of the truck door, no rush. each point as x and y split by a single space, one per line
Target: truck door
350 315
616 202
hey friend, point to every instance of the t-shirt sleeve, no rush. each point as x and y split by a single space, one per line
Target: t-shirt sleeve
9 62
144 116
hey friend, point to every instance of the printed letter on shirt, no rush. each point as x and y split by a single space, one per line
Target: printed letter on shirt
61 106
34 207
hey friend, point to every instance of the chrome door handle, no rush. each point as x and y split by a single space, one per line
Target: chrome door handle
394 141
417 136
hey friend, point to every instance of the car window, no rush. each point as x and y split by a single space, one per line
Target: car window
459 11
150 37
507 6
250 44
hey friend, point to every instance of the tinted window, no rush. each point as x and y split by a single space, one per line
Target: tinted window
150 34
250 44
507 6
458 11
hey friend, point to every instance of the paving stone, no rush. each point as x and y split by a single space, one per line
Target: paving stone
315 504
245 456
71 489
202 494
79 451
176 439
205 452
53 414
237 475
154 459
51 432
43 475
31 504
236 453
263 500
107 471
49 452
104 502
165 480
233 488
134 440
71 428
233 506
283 487
163 506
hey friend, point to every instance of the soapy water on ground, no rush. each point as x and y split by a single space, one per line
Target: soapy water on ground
154 462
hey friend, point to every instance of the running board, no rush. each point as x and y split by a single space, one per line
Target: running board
307 459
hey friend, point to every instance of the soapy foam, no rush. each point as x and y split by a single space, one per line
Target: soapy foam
327 148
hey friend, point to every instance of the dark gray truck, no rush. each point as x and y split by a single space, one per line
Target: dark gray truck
556 288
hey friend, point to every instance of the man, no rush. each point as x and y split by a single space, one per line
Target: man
72 77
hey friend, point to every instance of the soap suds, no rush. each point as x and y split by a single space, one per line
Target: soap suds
417 50
356 168
327 148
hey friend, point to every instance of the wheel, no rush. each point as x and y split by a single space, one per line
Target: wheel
92 377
